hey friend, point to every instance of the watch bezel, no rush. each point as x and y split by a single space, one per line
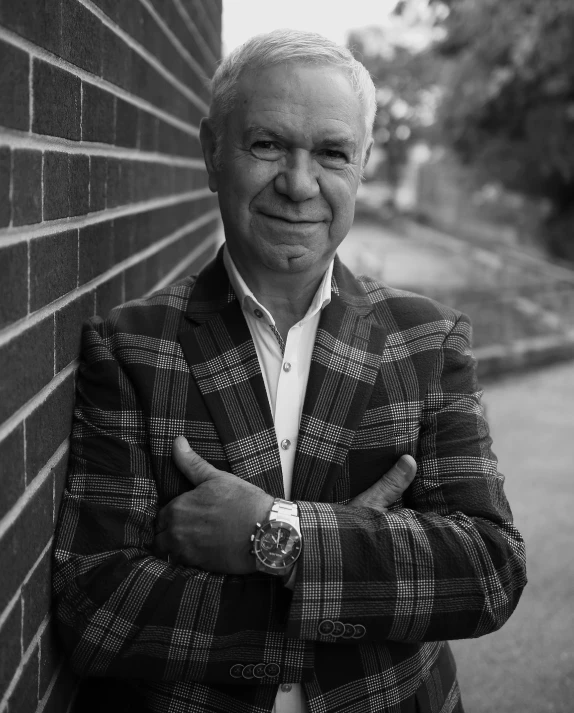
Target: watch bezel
274 566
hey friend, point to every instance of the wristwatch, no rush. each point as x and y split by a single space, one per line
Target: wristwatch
277 543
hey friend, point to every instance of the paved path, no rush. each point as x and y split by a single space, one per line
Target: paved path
528 666
410 263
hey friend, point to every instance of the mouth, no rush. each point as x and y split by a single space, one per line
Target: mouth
292 221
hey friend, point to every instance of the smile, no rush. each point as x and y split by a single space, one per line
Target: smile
292 221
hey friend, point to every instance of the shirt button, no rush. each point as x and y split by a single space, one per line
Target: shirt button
286 366
286 687
285 443
258 313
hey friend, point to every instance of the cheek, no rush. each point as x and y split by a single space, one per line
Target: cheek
341 198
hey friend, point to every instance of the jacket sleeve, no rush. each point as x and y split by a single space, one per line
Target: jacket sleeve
120 610
449 565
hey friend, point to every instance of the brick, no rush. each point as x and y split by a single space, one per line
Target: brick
113 186
98 114
79 167
53 267
56 101
26 186
126 186
12 468
10 651
24 697
51 655
117 60
56 185
60 472
25 540
124 237
109 294
36 598
26 365
5 170
13 272
36 20
69 328
98 182
63 691
136 280
147 131
15 104
81 37
47 427
126 124
109 7
96 250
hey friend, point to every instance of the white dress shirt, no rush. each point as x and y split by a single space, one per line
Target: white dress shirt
285 368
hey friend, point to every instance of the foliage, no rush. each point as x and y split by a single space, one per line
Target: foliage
508 106
407 93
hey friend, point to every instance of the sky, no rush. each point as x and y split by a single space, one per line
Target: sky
333 18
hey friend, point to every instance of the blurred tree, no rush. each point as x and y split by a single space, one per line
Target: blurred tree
508 103
407 93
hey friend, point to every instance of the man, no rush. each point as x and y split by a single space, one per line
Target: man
282 580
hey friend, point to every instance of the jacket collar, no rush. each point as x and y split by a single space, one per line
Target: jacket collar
346 358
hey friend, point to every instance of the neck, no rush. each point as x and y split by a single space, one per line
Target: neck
286 296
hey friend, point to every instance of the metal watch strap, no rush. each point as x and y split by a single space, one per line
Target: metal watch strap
284 510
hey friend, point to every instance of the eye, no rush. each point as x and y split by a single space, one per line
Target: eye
266 150
332 157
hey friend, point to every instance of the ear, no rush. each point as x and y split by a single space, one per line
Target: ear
208 146
367 155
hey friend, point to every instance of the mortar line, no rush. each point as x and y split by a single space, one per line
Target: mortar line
39 53
146 54
31 232
19 139
176 42
23 325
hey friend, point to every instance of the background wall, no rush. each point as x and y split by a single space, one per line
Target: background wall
103 198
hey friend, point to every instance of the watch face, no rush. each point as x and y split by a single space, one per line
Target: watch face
279 544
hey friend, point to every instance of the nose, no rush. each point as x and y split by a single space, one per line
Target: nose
297 178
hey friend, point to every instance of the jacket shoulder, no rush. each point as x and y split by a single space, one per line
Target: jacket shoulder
405 304
408 309
156 315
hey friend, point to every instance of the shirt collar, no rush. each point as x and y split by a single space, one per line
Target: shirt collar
250 303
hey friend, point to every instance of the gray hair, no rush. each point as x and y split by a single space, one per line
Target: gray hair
283 46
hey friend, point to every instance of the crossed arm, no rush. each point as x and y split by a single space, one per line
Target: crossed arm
448 566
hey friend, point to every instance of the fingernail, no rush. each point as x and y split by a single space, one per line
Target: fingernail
402 465
182 444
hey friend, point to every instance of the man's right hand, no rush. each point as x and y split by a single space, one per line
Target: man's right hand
389 487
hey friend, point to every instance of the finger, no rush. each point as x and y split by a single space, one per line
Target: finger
162 520
396 480
195 469
161 544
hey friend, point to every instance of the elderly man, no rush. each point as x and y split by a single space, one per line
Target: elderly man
260 565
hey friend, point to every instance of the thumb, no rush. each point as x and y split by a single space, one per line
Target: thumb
396 480
195 469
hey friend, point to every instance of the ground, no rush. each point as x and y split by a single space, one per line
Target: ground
528 666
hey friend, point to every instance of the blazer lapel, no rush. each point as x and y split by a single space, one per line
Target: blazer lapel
345 362
218 347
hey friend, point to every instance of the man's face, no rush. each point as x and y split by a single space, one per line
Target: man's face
290 166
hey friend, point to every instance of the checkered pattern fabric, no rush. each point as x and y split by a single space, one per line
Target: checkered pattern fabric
391 373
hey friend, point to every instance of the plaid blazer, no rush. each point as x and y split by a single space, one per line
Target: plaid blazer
376 594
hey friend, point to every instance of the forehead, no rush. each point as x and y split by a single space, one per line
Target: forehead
299 97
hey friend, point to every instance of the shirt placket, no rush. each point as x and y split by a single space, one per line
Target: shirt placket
287 406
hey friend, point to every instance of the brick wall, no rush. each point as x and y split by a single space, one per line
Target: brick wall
103 197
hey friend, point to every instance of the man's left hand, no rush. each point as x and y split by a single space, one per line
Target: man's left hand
210 526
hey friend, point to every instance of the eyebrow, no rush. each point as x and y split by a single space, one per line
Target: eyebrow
331 142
